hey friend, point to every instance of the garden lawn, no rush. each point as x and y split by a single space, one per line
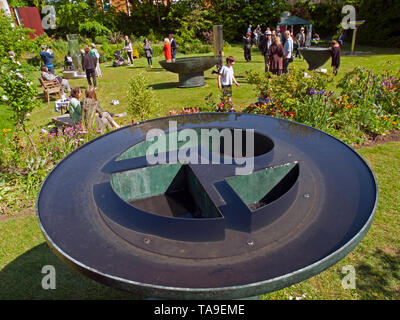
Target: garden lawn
23 253
113 84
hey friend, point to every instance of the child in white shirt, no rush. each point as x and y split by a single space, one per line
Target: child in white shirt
226 78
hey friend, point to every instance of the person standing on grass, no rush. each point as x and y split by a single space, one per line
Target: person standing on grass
173 46
96 53
247 47
249 29
301 41
46 56
288 51
148 52
265 45
275 55
89 65
128 48
167 50
335 54
226 79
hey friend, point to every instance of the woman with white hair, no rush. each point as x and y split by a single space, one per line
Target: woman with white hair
167 50
94 52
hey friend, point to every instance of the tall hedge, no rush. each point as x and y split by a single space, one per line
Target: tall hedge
382 23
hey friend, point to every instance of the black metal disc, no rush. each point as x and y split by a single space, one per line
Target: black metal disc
205 236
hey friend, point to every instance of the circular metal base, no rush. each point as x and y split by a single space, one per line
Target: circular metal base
73 74
191 80
207 240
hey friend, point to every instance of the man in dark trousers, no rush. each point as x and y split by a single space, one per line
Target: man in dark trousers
264 47
173 46
89 65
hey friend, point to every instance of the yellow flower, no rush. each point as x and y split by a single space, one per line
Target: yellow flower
394 123
6 130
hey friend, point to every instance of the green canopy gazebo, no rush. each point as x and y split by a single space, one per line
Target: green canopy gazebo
294 20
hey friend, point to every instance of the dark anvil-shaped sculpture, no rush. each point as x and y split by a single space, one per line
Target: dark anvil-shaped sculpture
190 70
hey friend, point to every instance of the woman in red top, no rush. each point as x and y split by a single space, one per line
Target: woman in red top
167 50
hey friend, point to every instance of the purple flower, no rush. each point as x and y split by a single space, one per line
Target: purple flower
312 91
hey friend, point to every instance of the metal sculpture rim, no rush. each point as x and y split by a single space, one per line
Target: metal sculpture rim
227 292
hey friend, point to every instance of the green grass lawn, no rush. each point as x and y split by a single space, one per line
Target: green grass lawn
23 253
113 84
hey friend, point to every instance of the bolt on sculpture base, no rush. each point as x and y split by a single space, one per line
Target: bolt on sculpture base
200 231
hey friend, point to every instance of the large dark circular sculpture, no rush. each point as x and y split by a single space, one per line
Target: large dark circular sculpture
186 230
190 70
315 57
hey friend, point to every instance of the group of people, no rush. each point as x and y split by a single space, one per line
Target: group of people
88 111
277 55
170 48
278 51
276 47
279 48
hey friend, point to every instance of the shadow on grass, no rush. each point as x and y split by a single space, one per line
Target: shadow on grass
378 276
133 67
165 85
155 69
22 278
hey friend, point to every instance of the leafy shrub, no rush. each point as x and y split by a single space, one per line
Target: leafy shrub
17 89
92 29
142 103
116 37
106 51
12 38
101 39
22 169
368 103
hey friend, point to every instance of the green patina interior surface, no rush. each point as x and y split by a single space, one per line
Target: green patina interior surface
254 187
169 190
144 182
140 149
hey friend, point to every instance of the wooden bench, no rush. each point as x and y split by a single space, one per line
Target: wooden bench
49 87
63 121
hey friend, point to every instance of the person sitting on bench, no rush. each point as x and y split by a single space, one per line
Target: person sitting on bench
47 76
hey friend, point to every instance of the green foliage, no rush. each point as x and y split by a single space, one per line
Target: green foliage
372 100
101 39
290 87
71 14
17 89
12 38
92 29
116 37
236 15
142 103
23 169
382 23
106 51
368 103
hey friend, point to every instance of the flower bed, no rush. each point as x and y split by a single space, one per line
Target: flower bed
361 105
